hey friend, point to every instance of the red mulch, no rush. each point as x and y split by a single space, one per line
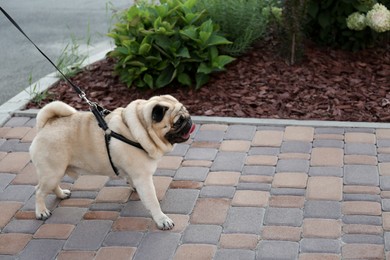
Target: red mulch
328 85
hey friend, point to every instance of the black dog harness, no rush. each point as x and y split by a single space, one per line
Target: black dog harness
98 111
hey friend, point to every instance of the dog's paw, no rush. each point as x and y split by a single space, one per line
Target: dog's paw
43 215
65 194
165 223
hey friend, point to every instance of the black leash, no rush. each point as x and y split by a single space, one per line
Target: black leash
98 111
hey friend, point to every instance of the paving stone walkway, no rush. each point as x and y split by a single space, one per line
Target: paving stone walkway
234 192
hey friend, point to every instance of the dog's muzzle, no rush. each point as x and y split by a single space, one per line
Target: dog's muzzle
181 131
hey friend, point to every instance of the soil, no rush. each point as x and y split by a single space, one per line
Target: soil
328 84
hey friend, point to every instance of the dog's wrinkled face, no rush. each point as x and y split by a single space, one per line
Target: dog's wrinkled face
174 120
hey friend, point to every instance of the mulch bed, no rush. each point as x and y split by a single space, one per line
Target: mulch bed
327 85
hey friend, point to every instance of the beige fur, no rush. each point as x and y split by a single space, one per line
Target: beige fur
70 141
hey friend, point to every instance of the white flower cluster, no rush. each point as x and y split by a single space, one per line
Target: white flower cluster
378 19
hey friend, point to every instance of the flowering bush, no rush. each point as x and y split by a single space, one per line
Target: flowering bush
356 21
378 18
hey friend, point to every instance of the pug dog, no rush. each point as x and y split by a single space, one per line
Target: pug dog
70 142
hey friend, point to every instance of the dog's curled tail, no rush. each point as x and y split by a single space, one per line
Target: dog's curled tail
53 109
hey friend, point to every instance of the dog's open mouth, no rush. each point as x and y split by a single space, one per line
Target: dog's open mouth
182 132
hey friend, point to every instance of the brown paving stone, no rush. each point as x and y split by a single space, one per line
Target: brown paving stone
317 256
268 138
299 133
362 251
322 228
385 194
90 182
250 198
4 131
113 194
2 155
161 185
213 127
14 162
283 201
356 189
235 146
222 178
17 132
281 233
8 210
361 208
101 215
302 156
195 252
210 211
360 138
270 160
29 137
329 136
383 149
256 179
13 243
327 156
290 180
360 159
170 162
82 203
115 252
362 229
54 231
76 255
386 221
239 241
181 223
324 188
382 133
197 163
186 185
27 176
204 144
384 169
25 215
132 224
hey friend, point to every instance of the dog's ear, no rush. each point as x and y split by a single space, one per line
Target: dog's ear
158 113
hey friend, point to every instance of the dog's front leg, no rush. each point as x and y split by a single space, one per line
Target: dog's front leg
147 193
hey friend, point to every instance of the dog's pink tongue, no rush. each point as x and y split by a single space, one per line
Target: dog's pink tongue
187 135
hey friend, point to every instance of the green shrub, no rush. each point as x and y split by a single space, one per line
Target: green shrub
242 21
328 23
159 44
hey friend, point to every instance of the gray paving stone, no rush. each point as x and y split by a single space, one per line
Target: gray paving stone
158 245
106 207
362 239
292 165
179 150
386 204
134 209
254 186
320 245
329 130
234 254
359 130
229 161
383 143
217 192
296 147
360 149
270 127
202 234
209 136
259 170
283 217
29 226
31 123
167 173
2 141
66 215
288 191
84 194
328 143
17 121
264 151
201 154
9 145
271 250
20 193
51 203
191 173
361 197
5 180
116 183
361 175
326 171
7 257
22 147
322 209
88 235
362 219
179 201
385 182
387 241
383 157
42 249
240 132
123 238
244 220
68 179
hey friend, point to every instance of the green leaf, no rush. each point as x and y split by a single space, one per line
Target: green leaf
217 40
201 79
221 61
144 49
190 32
183 52
166 76
204 68
148 80
184 79
122 50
